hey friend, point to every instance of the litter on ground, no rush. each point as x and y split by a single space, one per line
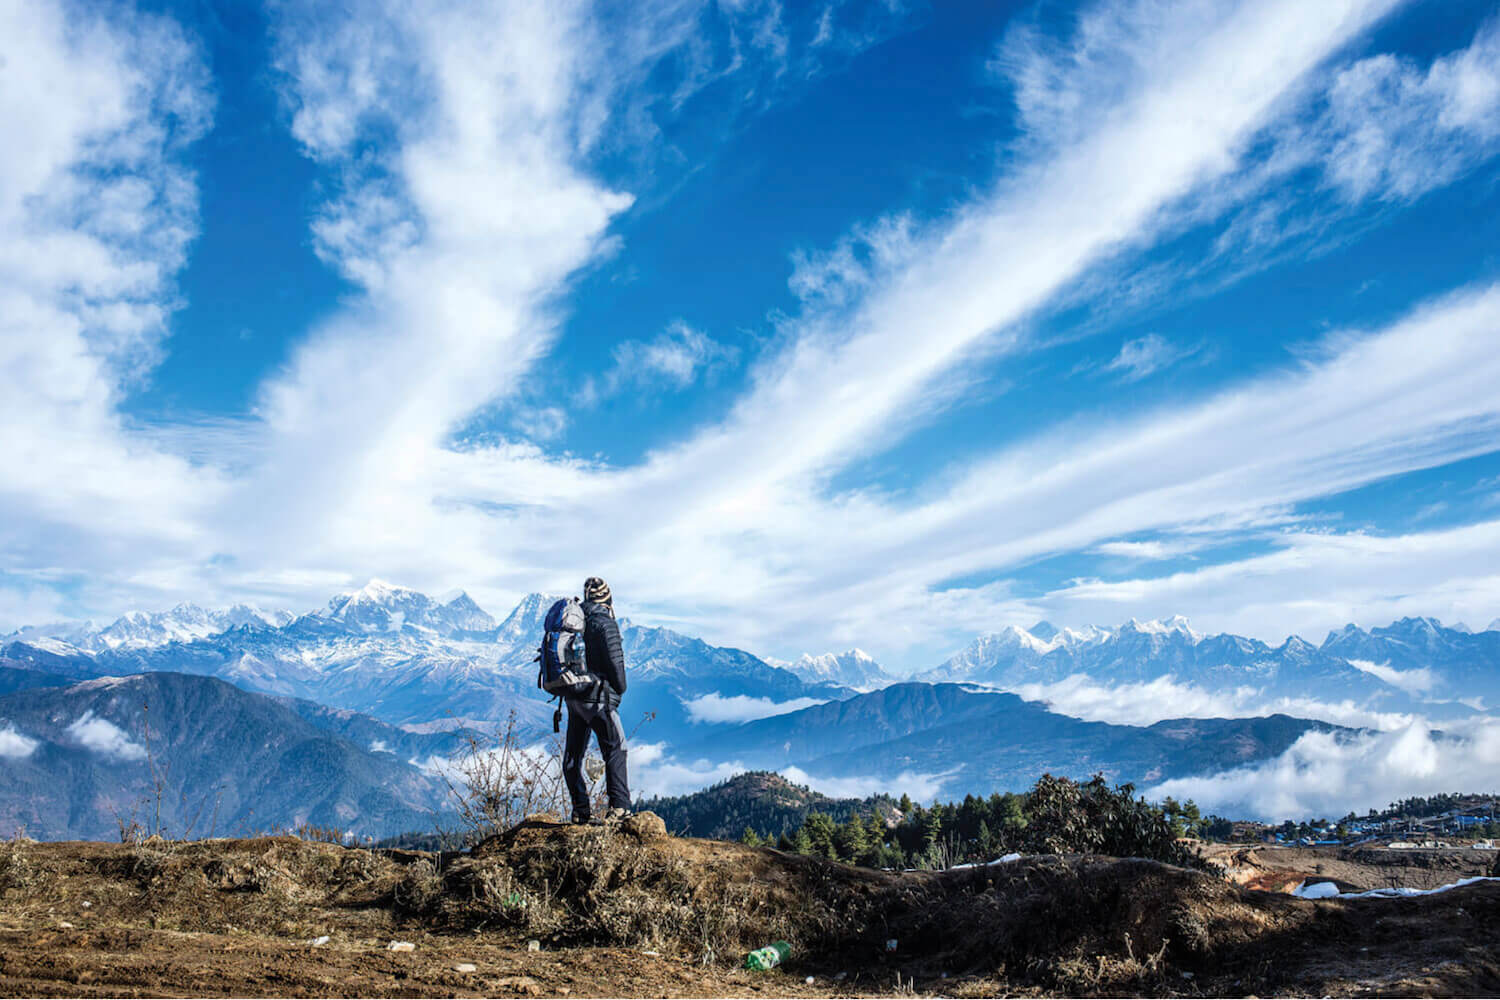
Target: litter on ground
1327 890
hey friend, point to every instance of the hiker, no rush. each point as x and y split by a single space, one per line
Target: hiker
597 710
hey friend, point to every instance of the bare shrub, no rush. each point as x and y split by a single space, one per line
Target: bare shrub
150 857
495 781
419 887
322 834
17 869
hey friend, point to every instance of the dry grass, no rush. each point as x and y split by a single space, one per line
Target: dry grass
1077 925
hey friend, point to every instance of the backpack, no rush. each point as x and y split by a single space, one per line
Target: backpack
564 668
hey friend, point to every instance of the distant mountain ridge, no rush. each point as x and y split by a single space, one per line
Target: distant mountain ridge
855 669
78 759
1351 663
398 655
980 741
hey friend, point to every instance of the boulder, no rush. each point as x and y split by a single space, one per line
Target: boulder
645 826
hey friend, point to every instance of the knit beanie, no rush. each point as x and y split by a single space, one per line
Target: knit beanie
596 591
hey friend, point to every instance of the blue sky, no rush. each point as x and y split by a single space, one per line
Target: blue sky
809 326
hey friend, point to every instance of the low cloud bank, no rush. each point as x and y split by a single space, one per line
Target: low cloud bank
1148 702
15 745
654 771
921 787
105 738
1416 681
1323 775
714 707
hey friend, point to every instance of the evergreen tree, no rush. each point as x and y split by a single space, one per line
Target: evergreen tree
849 840
820 833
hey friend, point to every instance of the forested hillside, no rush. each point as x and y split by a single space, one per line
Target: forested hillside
760 801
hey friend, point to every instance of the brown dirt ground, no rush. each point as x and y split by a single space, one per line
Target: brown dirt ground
236 917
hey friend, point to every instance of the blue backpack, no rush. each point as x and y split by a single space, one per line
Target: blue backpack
564 668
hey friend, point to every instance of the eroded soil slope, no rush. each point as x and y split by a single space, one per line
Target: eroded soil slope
629 911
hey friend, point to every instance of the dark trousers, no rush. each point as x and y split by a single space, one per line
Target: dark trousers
604 723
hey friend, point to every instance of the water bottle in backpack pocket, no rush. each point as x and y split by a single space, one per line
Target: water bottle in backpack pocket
564 664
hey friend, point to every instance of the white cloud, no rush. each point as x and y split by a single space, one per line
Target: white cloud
1396 132
380 746
646 754
16 745
540 423
921 787
1322 775
1147 702
1311 582
676 359
1151 550
1415 681
667 776
1146 356
104 738
474 216
99 107
654 771
714 707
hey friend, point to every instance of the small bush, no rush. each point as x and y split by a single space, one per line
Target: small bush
495 782
419 888
17 869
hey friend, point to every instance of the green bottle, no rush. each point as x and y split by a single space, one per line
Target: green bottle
768 957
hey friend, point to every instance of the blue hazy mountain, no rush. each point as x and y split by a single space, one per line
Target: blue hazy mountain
80 758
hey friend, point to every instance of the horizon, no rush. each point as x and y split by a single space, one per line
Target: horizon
454 594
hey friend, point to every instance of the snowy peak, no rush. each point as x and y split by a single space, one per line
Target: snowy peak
1176 625
379 606
856 669
525 620
1045 631
138 630
462 613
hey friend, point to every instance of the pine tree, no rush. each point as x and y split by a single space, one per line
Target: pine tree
750 838
849 839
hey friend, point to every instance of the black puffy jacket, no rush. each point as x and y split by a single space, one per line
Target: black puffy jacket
601 644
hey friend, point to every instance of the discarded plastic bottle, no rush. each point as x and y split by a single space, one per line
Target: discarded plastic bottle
768 957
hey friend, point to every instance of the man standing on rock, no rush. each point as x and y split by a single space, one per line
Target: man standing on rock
598 711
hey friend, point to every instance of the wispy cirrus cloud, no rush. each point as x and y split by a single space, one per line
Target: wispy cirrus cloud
98 206
672 361
1395 131
1145 356
461 146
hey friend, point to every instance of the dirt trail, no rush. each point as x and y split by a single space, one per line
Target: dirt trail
630 912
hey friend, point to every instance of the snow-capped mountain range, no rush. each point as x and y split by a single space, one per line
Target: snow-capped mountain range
399 655
855 669
402 656
388 671
142 630
1412 663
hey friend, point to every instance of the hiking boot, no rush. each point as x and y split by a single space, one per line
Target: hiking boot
581 820
616 814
